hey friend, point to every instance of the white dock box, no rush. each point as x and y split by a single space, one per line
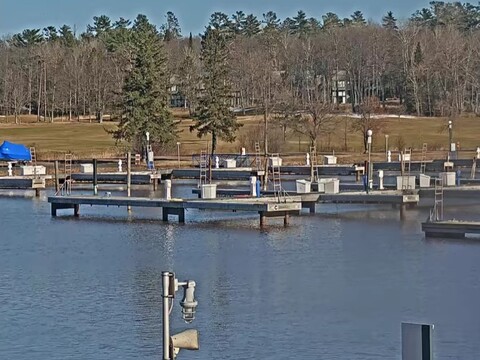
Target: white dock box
448 178
28 170
275 161
406 157
409 182
230 163
332 186
86 168
424 181
303 186
209 191
330 160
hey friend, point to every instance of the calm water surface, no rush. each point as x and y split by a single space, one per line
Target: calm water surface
334 285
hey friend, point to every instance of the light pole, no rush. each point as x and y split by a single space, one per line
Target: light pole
450 124
369 149
178 154
187 339
386 146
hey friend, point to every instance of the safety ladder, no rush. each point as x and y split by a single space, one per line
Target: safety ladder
258 159
276 180
313 164
406 168
423 164
33 156
474 168
436 214
203 167
67 185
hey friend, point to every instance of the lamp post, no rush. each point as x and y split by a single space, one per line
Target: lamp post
450 124
369 149
178 154
187 339
386 146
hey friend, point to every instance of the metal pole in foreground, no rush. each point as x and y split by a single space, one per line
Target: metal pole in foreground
370 168
95 185
178 154
166 315
129 177
386 146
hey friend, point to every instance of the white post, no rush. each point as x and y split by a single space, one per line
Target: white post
380 179
243 151
120 165
166 314
253 186
307 158
168 189
478 152
10 171
217 162
389 156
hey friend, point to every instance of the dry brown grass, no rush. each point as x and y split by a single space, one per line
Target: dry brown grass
91 139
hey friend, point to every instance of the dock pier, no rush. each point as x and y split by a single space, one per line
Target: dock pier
265 207
450 228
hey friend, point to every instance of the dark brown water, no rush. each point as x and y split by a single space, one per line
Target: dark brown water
335 285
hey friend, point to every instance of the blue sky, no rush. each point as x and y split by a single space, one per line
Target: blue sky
16 15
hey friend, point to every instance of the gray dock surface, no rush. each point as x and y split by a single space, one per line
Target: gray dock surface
266 207
450 228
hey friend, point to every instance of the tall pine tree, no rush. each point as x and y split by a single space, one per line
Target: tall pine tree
214 116
145 96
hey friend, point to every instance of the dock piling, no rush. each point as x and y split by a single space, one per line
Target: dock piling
129 178
95 182
57 180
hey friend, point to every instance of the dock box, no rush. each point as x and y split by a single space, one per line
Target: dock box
230 163
332 186
86 168
448 178
209 191
275 161
329 160
409 182
29 170
424 181
303 186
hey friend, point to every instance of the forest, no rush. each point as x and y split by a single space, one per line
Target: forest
298 71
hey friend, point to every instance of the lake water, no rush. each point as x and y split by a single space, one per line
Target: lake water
334 285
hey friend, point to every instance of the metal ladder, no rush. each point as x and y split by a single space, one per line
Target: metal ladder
423 164
67 185
33 156
436 214
406 166
313 164
258 158
203 167
276 180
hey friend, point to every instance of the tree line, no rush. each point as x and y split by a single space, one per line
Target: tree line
295 71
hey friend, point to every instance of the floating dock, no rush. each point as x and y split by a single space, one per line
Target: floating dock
309 200
266 207
450 228
24 182
138 177
219 174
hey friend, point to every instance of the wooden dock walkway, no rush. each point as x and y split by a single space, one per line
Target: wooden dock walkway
450 228
138 177
266 207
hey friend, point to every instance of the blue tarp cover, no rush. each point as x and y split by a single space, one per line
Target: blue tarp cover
10 151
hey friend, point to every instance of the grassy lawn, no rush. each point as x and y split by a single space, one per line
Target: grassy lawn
86 139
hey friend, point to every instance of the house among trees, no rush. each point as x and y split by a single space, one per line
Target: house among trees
340 88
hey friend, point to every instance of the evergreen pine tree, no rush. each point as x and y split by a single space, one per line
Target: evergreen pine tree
389 21
145 91
213 114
